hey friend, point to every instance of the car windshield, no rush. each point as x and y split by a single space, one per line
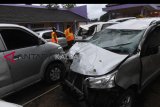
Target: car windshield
117 40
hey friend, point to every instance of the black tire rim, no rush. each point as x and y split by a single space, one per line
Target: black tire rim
126 102
55 73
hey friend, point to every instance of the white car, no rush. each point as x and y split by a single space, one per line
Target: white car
87 31
121 19
46 34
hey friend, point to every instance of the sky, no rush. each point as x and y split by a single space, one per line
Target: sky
93 10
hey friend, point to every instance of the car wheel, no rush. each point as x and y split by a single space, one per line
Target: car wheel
54 72
127 99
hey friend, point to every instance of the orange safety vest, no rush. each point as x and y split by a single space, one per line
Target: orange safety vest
54 37
69 35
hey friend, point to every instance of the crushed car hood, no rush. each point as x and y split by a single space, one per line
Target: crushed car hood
89 59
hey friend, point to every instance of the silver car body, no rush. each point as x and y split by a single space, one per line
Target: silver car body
7 104
92 60
61 40
25 71
89 59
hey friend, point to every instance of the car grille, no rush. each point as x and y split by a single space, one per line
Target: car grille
76 79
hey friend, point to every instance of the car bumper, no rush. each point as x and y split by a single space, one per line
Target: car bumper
96 97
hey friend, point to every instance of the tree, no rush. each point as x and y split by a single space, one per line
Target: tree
67 6
94 20
104 17
52 5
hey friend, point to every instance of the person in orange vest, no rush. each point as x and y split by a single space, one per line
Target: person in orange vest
69 36
54 35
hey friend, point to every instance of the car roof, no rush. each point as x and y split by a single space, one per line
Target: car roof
40 33
9 25
15 25
136 24
96 23
44 31
119 19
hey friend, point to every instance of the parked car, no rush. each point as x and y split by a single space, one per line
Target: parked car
7 104
40 29
86 32
26 58
46 34
121 19
110 70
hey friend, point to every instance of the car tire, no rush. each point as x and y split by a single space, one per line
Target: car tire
54 72
127 99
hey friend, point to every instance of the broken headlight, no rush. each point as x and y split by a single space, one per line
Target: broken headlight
106 81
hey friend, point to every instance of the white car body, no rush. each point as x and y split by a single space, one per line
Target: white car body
98 27
61 40
121 19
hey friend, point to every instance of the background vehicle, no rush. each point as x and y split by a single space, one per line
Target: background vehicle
117 65
121 19
46 34
26 58
87 31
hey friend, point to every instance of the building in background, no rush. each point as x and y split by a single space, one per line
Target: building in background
132 10
40 16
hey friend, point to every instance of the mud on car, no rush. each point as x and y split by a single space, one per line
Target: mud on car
116 65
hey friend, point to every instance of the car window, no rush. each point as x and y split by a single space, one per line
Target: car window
92 30
16 38
1 45
82 32
59 34
47 35
153 42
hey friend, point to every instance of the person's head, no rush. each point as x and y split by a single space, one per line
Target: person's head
54 29
68 26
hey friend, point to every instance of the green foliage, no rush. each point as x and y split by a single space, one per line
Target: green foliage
52 6
94 20
104 17
67 6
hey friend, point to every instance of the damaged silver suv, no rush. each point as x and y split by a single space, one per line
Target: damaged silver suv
116 64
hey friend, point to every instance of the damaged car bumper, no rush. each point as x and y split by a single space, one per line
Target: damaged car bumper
77 86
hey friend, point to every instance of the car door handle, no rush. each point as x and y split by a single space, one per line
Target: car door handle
17 57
